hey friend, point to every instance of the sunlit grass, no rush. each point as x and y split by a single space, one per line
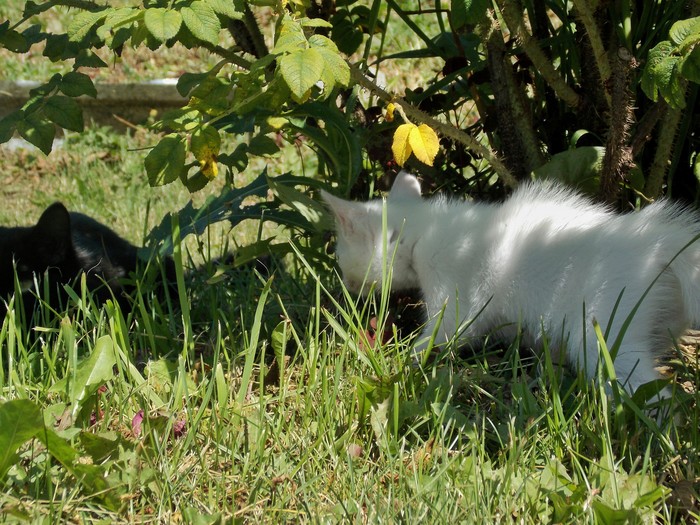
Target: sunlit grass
268 418
270 401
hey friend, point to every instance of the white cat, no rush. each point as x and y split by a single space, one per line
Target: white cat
547 261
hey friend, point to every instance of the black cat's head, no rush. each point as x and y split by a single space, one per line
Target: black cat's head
33 250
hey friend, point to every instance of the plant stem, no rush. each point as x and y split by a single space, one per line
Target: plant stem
511 12
447 130
664 150
518 140
585 14
646 125
618 154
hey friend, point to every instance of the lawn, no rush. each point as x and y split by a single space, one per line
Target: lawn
266 395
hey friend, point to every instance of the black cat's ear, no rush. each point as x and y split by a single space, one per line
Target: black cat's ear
54 229
406 186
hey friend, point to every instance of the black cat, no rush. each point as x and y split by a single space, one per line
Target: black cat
61 247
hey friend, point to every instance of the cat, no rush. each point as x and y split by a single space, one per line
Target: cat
547 261
61 247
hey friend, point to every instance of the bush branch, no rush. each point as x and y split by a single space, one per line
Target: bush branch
583 9
518 139
618 154
511 12
666 139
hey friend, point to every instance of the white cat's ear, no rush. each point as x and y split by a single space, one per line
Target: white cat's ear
344 211
406 186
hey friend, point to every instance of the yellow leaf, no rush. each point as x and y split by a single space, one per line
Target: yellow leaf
209 167
401 147
424 142
390 108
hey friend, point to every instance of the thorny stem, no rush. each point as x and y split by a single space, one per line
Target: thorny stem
618 155
510 10
585 14
254 30
664 149
447 130
518 139
646 125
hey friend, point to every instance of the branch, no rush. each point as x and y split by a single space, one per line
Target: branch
514 20
601 59
518 139
666 138
646 125
447 130
618 154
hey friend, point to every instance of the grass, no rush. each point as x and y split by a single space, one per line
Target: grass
263 417
268 398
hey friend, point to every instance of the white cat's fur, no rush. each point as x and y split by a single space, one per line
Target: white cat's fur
533 263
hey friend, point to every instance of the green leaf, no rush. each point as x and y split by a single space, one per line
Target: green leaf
463 12
14 41
662 75
279 338
202 21
312 210
38 132
345 34
91 477
90 374
684 29
8 124
315 22
166 160
211 95
669 79
195 517
205 142
102 447
690 66
83 22
88 58
225 8
301 70
262 145
337 143
188 81
75 84
228 206
162 23
291 38
657 55
119 25
335 69
20 420
181 119
578 167
162 375
64 112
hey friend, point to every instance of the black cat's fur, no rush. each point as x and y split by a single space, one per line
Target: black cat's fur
59 248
